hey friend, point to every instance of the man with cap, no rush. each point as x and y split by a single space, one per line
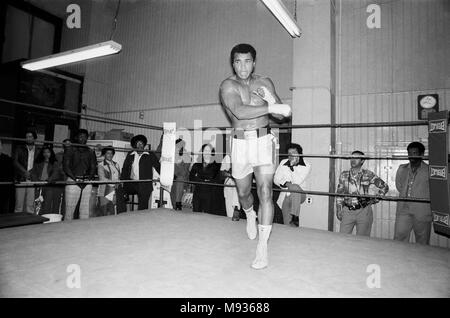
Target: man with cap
357 211
138 165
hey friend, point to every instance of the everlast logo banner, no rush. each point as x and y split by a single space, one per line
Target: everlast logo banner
169 131
438 126
438 172
166 159
441 218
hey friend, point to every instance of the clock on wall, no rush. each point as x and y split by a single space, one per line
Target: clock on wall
426 104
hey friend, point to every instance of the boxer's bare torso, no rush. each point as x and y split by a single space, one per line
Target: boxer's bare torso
237 95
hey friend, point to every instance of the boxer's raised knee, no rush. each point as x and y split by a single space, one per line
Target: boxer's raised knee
243 194
245 198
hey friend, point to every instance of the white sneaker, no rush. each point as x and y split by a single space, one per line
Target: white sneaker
251 224
261 260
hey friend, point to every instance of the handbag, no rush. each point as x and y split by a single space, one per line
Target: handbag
38 202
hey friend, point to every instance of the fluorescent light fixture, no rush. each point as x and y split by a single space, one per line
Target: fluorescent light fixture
81 54
282 14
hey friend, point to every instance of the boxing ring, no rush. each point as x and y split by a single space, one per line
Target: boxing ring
165 253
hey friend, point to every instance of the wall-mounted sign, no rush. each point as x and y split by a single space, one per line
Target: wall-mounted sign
438 148
441 218
437 126
438 172
427 104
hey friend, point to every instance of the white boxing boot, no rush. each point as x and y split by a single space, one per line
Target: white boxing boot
261 260
251 222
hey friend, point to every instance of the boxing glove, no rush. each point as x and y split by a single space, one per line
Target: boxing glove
265 94
280 109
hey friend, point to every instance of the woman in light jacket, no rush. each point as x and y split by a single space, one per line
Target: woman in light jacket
111 196
290 175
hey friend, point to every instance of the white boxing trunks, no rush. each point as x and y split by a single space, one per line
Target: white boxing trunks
252 148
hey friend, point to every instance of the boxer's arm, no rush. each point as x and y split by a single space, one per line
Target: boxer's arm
231 99
267 93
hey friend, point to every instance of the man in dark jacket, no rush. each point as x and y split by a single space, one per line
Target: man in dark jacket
80 164
6 175
24 158
138 165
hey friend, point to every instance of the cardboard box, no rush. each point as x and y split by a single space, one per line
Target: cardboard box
97 135
118 134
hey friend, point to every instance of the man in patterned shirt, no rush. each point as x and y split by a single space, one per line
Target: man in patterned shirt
353 211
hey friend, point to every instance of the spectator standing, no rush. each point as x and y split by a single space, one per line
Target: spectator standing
79 165
230 194
47 169
138 165
60 161
181 173
60 155
357 211
204 197
110 195
412 180
24 158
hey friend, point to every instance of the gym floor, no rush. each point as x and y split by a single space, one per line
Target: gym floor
163 253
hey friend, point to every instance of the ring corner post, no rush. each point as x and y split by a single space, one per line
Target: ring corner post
438 141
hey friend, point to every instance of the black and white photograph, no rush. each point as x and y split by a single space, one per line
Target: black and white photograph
224 156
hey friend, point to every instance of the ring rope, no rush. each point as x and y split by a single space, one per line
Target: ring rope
84 116
120 149
59 143
394 157
341 125
385 198
127 123
320 193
